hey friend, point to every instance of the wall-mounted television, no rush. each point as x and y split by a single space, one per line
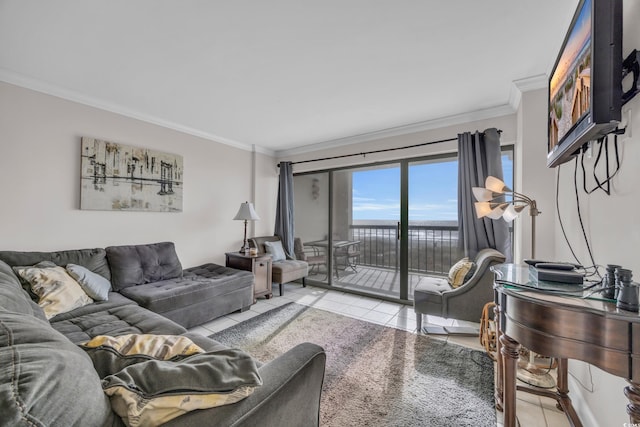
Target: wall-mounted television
585 85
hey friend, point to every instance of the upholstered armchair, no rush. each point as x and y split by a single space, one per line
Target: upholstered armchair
434 295
283 270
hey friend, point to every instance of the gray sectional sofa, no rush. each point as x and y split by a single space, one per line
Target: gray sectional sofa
46 379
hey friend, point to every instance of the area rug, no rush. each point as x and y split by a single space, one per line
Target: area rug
375 375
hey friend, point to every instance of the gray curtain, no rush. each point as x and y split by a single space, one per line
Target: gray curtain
478 157
284 209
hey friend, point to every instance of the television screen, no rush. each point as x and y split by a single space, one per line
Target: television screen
570 84
585 86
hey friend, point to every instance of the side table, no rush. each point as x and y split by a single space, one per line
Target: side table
259 265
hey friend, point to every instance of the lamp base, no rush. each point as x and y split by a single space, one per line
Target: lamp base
530 374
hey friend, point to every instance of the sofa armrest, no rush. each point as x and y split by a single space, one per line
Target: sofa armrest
289 395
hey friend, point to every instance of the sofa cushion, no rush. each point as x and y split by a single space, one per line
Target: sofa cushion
57 291
167 295
13 298
119 320
45 380
94 285
94 259
115 300
140 264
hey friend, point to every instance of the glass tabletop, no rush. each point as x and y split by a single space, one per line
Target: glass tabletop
522 276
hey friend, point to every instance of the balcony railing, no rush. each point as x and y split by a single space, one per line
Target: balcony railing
432 249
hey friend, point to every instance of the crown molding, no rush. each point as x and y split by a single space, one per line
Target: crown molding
456 119
518 87
69 95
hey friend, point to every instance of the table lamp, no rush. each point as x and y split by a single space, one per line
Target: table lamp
246 213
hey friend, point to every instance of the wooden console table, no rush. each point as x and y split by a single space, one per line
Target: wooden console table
564 327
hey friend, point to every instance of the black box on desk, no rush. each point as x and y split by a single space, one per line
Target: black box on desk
563 276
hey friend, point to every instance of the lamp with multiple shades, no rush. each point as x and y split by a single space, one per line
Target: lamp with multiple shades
492 202
246 213
496 201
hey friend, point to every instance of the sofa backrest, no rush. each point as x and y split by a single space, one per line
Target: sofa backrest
140 264
93 259
14 299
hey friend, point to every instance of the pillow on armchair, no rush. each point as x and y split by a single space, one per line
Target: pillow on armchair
460 272
276 250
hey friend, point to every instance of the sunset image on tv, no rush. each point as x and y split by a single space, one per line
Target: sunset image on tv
570 84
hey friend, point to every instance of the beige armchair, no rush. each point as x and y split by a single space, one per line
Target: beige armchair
282 271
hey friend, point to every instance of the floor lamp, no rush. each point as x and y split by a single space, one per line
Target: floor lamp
495 200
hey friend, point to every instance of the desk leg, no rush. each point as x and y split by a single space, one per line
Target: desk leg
510 355
564 401
632 391
499 363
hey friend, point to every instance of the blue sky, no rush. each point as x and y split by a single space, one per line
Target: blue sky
433 191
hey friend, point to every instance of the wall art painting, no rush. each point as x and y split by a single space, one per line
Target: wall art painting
119 177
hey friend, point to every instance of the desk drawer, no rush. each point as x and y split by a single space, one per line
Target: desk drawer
570 322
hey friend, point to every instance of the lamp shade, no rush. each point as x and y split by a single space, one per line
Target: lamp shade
482 194
497 212
511 212
482 209
246 212
496 185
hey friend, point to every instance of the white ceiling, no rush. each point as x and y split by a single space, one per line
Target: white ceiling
281 74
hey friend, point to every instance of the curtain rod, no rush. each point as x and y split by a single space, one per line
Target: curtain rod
422 144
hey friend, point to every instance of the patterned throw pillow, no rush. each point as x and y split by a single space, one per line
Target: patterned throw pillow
460 272
57 291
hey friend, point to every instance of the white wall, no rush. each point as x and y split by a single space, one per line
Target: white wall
506 123
40 176
533 179
612 225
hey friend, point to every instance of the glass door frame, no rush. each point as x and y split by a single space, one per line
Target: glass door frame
404 219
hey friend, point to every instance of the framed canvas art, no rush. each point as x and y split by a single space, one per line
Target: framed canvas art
119 177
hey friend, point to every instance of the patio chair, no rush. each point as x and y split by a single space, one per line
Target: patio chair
347 256
312 255
435 296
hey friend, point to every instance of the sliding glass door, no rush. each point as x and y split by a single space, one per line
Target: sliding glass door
378 229
432 237
365 240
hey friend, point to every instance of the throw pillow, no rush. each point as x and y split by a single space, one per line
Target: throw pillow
112 354
157 391
276 250
96 286
459 272
25 284
57 291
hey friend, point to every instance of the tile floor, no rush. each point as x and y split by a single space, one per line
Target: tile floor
533 411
